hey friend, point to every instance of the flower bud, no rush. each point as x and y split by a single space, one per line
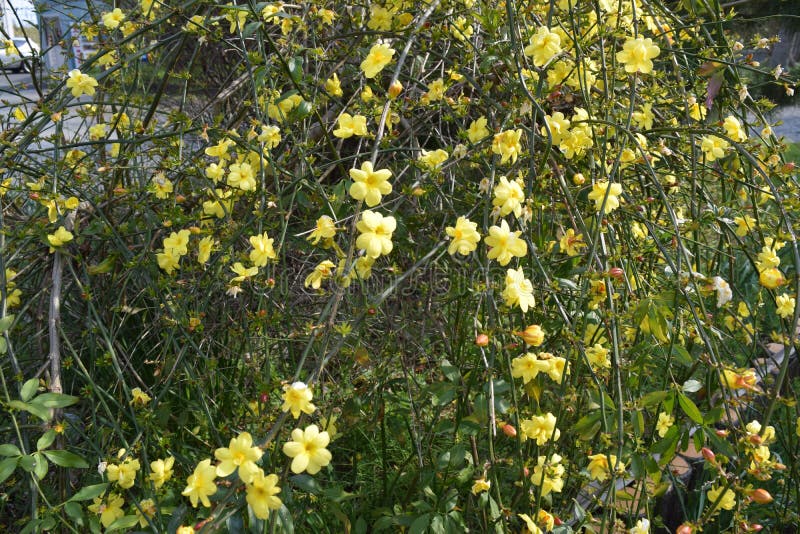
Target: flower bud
533 335
771 278
482 340
578 179
685 529
509 430
761 496
709 455
395 89
616 272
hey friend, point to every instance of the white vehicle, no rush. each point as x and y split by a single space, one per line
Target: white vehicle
20 56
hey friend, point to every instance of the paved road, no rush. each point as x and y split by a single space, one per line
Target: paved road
13 85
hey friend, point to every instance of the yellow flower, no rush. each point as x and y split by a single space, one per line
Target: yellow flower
162 187
200 484
464 237
540 428
547 474
241 454
145 512
533 335
380 18
307 450
185 530
97 131
644 118
220 150
642 526
665 422
600 466
80 84
379 56
123 474
161 471
140 397
637 53
530 526
435 92
598 357
727 500
432 159
713 147
734 130
325 229
785 305
740 380
350 125
528 367
261 494
177 242
598 194
322 271
262 249
771 278
61 237
477 130
241 175
744 225
169 260
270 135
481 485
571 244
242 273
204 248
333 86
110 510
507 145
508 196
369 185
505 244
113 19
557 366
558 127
518 290
375 236
544 46
297 399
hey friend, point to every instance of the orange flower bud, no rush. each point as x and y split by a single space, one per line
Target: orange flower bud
685 529
578 179
481 340
395 89
761 496
533 335
616 272
709 455
509 430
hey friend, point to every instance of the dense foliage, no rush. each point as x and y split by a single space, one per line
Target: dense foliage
447 266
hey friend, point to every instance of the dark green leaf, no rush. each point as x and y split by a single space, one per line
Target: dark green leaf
40 466
7 449
7 467
29 389
38 411
66 459
74 511
88 493
124 522
420 524
653 398
46 440
55 400
307 483
690 408
285 521
682 355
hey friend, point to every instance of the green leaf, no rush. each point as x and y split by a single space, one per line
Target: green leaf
124 522
295 65
587 426
682 355
690 408
40 466
7 449
285 520
6 322
450 371
653 398
307 483
55 400
27 462
66 459
74 512
420 524
7 467
38 411
89 492
29 389
46 440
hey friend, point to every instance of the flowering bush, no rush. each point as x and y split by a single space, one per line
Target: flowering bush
426 266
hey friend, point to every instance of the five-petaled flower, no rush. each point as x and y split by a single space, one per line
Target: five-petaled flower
80 83
307 450
370 185
379 56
